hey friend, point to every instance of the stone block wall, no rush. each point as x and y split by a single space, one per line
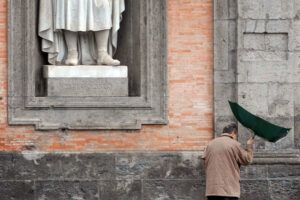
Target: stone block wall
133 176
266 65
255 64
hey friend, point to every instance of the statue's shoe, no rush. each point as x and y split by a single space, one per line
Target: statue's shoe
105 59
72 58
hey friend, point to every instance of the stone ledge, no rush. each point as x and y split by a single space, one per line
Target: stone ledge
288 157
85 71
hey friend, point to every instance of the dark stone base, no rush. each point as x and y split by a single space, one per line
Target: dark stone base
132 176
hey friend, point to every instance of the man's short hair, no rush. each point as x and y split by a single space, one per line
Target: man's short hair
230 128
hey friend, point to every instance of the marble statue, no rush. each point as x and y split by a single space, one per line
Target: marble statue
80 32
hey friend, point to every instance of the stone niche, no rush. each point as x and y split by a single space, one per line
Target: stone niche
142 46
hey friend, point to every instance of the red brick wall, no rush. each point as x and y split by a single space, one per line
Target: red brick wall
190 68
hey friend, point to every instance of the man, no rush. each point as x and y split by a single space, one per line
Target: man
77 32
222 160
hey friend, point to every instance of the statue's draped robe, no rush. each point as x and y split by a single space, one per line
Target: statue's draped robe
83 16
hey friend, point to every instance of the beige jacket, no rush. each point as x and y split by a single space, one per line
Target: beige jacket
222 159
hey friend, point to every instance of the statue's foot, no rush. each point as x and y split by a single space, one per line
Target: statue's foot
72 58
105 59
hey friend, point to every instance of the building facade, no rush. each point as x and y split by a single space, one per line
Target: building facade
245 51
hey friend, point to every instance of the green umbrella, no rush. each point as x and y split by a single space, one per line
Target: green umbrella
259 126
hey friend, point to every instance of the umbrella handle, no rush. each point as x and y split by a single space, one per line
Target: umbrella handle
252 132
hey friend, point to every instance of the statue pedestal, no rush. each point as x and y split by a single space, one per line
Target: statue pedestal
86 80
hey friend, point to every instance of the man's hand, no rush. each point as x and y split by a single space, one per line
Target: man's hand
250 141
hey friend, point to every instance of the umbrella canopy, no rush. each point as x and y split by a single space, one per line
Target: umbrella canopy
259 126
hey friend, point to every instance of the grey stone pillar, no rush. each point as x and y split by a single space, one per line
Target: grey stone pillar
225 25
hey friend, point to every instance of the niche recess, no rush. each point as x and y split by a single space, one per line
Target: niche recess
142 47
